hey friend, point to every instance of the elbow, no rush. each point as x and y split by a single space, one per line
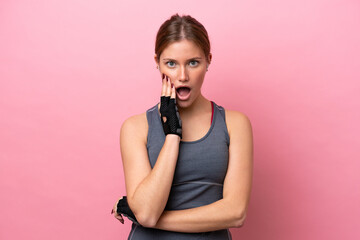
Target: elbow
145 215
146 220
239 220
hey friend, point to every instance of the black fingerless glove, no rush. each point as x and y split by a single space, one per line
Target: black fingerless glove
124 209
169 110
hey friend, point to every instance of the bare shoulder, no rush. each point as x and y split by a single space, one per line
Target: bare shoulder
237 122
135 125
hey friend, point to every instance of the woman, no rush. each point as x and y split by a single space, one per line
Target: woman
187 161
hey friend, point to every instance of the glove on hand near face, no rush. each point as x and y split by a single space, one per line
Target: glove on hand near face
169 110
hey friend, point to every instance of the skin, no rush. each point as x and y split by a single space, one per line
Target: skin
148 189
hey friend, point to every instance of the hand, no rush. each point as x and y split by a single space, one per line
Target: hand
122 208
116 214
170 116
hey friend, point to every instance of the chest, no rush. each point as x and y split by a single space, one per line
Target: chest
204 161
196 128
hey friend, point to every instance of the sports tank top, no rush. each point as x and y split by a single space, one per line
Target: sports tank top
199 175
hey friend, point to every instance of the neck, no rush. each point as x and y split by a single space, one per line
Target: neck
199 106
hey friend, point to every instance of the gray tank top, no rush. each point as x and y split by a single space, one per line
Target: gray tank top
199 175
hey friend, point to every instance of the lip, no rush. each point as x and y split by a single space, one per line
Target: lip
183 98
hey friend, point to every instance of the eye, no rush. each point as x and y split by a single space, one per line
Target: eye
170 63
194 63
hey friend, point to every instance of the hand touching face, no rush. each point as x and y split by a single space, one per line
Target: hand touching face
185 64
170 117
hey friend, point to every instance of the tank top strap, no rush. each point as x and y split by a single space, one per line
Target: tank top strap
212 111
221 110
151 116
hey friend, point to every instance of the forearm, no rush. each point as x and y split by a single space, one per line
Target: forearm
221 214
151 195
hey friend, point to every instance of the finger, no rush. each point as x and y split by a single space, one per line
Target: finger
163 90
173 92
119 217
168 89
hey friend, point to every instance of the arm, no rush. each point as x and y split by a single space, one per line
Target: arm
231 210
147 189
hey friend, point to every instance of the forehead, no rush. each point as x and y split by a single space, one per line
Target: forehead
183 49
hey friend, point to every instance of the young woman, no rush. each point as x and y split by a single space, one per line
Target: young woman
187 161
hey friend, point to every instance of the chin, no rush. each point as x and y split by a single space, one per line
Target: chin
183 104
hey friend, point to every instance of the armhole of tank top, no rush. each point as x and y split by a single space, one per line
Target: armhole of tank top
148 118
133 229
226 128
229 234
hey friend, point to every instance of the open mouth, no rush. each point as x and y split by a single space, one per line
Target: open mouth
183 93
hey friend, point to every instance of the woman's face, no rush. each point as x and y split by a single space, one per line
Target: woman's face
185 64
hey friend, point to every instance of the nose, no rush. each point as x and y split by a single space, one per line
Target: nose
183 75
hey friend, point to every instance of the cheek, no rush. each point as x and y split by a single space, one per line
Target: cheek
170 74
198 76
198 83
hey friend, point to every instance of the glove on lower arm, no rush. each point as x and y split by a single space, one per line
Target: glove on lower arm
124 209
169 110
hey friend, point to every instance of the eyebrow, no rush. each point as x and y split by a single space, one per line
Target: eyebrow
188 59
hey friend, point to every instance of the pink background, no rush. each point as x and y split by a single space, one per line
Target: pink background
73 70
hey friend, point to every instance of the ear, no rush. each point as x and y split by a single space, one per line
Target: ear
156 59
209 58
